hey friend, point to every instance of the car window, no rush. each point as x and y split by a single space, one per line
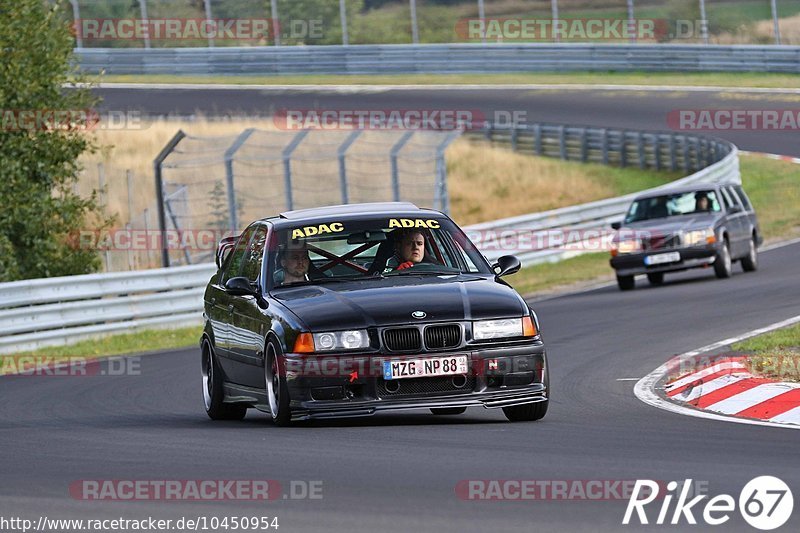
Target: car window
743 197
234 265
372 247
254 255
727 199
670 205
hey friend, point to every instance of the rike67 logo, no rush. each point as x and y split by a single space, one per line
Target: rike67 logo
765 503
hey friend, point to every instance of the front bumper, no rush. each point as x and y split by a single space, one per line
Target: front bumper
691 257
518 375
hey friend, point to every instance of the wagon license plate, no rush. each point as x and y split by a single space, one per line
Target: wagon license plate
420 368
660 259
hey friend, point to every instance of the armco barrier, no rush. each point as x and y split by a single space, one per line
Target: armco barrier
440 58
49 311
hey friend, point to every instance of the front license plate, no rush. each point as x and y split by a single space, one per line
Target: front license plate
660 259
420 368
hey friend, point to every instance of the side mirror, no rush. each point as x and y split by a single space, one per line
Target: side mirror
241 286
616 225
507 264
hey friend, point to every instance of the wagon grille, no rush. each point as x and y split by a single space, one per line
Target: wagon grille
437 337
402 339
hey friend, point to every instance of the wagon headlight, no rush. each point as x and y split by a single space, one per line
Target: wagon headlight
703 236
627 246
503 328
339 340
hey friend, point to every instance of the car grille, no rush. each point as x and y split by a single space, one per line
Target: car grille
661 241
437 337
423 386
402 339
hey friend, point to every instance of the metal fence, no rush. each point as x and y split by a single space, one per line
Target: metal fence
289 22
222 183
42 312
441 59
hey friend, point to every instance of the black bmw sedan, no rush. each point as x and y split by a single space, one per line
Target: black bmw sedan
701 226
350 310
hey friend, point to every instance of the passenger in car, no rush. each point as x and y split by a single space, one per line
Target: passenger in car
701 202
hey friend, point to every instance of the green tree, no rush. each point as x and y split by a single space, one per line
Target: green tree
39 161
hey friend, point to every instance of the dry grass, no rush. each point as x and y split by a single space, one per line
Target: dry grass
762 31
486 183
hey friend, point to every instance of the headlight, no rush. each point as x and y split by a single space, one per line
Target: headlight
628 246
341 340
703 236
503 328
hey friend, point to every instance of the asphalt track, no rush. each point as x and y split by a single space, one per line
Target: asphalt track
622 109
398 472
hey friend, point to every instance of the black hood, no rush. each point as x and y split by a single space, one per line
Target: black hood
388 301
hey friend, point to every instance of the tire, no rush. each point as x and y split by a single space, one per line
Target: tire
656 278
723 265
626 283
527 412
276 388
213 395
750 261
448 410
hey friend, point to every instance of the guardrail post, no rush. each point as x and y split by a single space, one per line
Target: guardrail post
640 149
657 150
623 149
229 155
145 23
341 152
605 146
562 142
687 162
395 171
584 145
537 139
157 164
276 31
514 139
673 158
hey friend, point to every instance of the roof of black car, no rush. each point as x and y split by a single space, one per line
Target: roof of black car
352 210
678 190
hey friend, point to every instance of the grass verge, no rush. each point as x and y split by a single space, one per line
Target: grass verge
128 343
658 79
774 355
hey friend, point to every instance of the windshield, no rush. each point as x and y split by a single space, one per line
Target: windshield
670 205
335 250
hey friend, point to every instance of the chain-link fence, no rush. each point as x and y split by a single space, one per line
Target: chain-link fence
219 23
